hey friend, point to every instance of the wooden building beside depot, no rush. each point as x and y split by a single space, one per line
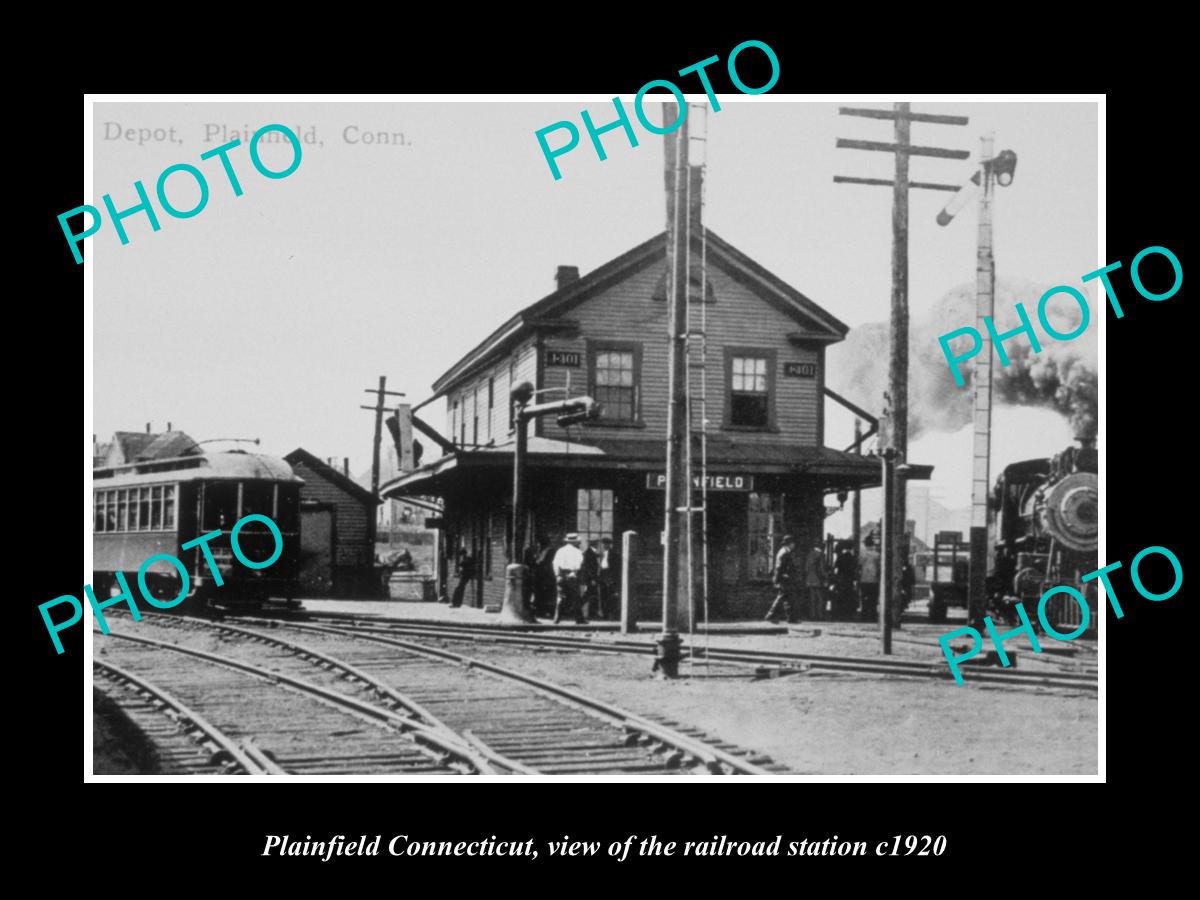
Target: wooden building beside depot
337 554
605 335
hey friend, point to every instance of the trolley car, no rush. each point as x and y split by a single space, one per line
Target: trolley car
156 506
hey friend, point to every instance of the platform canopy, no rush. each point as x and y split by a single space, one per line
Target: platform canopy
836 468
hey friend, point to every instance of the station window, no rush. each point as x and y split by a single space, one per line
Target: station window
594 514
764 530
512 380
614 380
749 391
491 406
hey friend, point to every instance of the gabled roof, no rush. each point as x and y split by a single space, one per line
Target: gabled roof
819 325
329 473
131 443
139 445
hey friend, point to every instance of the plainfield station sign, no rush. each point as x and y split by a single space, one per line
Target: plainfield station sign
657 481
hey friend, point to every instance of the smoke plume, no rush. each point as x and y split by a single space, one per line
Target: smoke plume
1061 377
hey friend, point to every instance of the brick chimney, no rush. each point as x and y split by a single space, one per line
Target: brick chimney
566 274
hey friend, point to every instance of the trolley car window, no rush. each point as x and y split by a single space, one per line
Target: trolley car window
220 504
110 511
143 509
156 494
122 510
98 511
258 497
169 506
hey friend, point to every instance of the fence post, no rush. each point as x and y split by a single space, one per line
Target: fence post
629 541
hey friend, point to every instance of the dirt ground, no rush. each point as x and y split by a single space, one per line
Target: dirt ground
117 746
838 723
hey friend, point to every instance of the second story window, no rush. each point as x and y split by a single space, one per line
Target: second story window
615 381
750 383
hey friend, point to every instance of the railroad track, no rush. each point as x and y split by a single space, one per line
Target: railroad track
239 704
485 717
787 661
185 741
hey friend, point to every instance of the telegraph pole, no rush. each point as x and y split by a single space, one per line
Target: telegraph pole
903 148
678 491
379 410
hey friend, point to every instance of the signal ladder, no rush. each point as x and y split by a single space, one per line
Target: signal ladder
696 350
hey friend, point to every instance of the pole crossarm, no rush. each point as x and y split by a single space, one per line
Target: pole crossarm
887 182
910 149
904 114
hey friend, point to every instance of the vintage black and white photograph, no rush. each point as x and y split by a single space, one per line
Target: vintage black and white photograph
595 438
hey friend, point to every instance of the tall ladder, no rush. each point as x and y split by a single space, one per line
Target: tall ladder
697 382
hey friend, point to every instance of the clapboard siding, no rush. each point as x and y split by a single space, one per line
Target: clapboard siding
351 516
508 370
625 312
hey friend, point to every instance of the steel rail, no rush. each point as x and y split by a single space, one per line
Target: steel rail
787 659
252 763
712 757
379 687
385 690
425 735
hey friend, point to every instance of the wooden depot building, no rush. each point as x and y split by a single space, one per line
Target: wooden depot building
605 335
337 552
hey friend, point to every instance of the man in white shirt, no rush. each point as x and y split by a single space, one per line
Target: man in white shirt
567 563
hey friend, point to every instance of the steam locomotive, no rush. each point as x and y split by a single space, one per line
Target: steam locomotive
1045 520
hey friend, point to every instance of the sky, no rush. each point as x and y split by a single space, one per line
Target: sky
267 315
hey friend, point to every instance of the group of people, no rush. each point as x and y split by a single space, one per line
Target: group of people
850 590
573 580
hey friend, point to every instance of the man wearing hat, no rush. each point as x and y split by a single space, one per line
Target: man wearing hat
868 579
785 579
567 563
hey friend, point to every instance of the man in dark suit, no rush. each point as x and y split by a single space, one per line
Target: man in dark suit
466 572
610 579
785 580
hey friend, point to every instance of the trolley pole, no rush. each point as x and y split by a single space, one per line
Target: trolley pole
678 493
379 410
